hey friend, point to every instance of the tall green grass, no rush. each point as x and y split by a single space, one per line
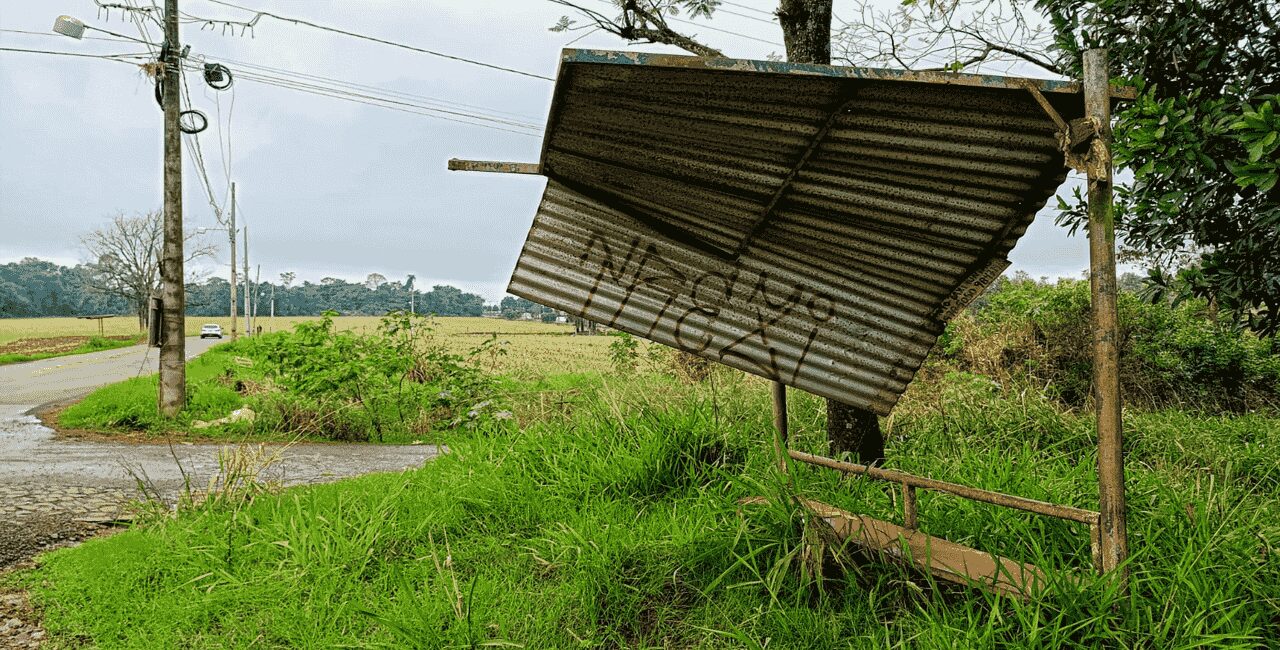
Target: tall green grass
614 522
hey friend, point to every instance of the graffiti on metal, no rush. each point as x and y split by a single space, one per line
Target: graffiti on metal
752 314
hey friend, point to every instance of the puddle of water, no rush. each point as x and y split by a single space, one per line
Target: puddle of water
19 430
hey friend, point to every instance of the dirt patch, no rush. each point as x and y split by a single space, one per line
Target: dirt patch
51 345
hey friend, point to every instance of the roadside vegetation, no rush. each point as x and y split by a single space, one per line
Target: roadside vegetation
601 507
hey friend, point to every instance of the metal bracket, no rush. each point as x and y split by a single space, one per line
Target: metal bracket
494 166
1078 140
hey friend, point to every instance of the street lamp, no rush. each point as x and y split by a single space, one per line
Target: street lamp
68 26
75 28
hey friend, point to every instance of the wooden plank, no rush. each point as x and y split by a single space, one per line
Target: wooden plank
944 559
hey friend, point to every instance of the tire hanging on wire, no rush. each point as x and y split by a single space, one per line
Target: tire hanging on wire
190 121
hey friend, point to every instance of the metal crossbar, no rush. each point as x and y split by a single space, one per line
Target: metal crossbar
911 482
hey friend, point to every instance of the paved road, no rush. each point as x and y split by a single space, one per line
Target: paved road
52 488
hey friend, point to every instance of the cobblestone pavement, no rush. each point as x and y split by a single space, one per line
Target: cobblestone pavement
18 628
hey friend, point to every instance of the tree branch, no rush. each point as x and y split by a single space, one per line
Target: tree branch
639 23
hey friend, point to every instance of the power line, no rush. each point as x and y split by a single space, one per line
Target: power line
747 7
745 16
695 24
108 57
299 21
197 157
426 99
392 104
722 31
329 86
122 39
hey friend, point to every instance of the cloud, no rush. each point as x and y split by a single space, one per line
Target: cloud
324 184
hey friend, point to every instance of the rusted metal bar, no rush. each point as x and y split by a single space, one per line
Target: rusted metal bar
780 424
1044 104
772 205
976 494
1114 542
494 166
909 518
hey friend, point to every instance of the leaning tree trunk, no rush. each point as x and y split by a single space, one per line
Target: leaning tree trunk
806 31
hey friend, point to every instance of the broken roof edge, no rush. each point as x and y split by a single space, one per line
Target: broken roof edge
617 57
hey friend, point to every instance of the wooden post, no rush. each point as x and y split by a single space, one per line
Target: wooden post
1113 538
231 232
173 368
780 424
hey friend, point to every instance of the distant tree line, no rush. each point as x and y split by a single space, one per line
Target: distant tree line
36 288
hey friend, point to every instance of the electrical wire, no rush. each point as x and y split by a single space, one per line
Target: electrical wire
299 21
417 98
382 102
745 16
196 153
142 27
722 31
747 7
225 155
337 88
690 22
108 57
122 39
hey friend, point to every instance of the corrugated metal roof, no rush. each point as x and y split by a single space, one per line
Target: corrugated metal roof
811 224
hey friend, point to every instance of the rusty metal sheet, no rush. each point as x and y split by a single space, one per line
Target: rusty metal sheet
814 225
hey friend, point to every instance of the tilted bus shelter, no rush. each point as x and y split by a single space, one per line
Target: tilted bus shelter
813 225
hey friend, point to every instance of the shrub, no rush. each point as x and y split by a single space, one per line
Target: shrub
357 386
1170 354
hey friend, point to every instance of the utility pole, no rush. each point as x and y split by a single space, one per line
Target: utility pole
231 232
173 371
247 330
257 295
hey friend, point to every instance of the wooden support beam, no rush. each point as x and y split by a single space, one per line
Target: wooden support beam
944 559
1114 541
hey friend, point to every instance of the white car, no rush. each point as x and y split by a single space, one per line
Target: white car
211 330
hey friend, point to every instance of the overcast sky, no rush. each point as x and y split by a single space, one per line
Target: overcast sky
327 187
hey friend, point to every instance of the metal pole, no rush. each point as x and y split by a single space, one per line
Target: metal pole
231 233
247 330
173 370
1114 540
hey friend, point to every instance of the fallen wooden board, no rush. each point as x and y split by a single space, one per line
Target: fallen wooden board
944 559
